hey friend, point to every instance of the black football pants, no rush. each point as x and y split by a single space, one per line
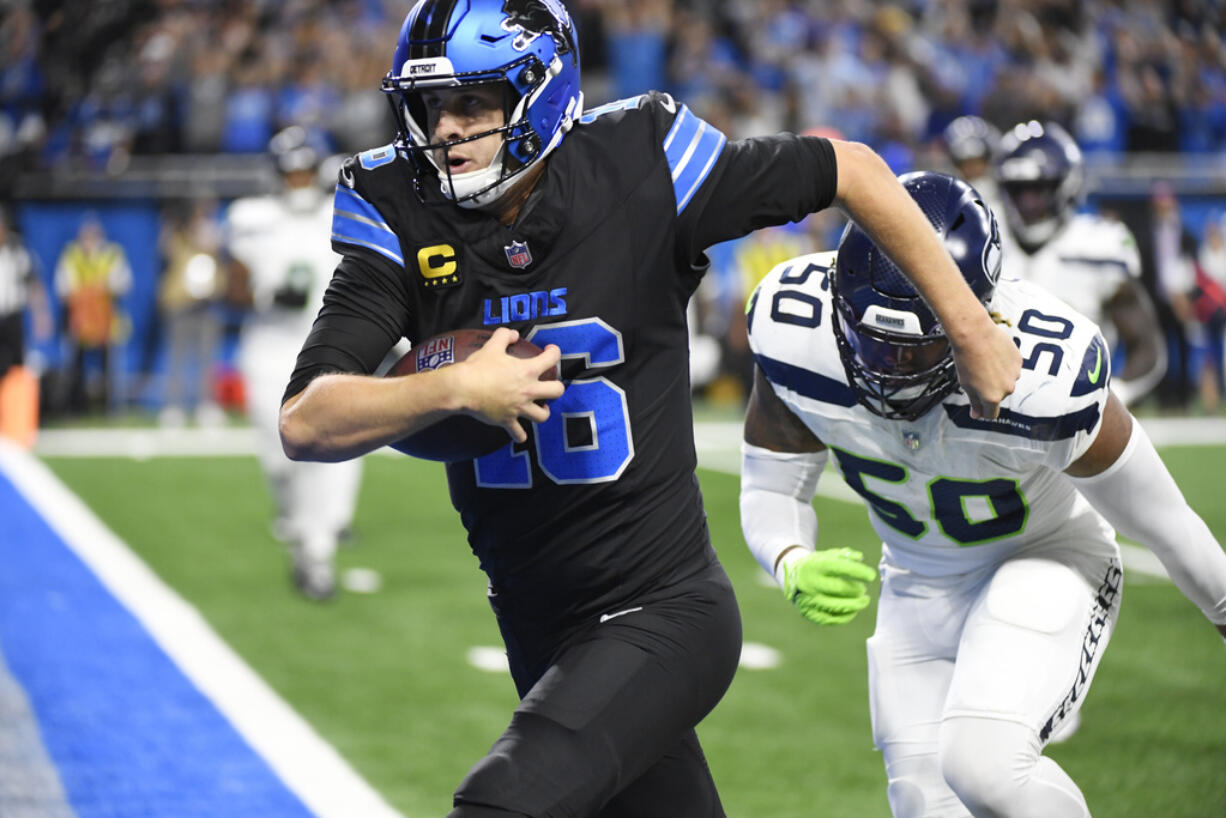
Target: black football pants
608 730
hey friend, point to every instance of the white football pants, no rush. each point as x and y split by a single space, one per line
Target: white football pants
969 675
315 500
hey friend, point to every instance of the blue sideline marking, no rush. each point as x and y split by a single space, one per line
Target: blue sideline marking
128 733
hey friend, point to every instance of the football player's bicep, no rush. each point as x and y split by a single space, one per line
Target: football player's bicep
769 423
1110 443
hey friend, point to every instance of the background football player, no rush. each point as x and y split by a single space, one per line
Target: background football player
1001 577
1087 260
280 267
970 142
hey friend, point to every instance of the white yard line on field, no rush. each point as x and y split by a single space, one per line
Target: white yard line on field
718 445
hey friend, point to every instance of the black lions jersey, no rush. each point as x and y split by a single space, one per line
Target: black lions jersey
601 504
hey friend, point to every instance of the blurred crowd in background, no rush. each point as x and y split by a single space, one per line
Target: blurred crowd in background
103 79
96 83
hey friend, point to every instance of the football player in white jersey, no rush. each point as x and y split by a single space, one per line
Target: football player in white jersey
284 266
1000 573
1089 261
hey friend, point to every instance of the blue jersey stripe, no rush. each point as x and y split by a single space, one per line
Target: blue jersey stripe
129 734
692 146
1060 427
357 241
805 382
356 221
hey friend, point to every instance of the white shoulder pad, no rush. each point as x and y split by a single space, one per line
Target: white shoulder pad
1094 240
1058 402
790 333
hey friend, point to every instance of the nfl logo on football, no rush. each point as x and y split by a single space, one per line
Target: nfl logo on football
518 255
437 353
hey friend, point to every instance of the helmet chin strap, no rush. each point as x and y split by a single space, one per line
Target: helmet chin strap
462 186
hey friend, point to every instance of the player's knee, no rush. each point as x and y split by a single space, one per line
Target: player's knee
986 762
916 789
538 768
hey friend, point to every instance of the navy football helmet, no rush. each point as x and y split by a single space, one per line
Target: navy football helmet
894 350
1041 175
526 48
970 137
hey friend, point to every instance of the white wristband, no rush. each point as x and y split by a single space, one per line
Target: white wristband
777 490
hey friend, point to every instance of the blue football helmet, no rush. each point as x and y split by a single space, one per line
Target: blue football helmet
894 350
1041 175
526 48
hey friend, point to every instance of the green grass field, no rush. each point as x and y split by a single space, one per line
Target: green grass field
385 679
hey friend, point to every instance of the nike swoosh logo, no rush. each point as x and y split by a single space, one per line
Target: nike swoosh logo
1098 365
606 617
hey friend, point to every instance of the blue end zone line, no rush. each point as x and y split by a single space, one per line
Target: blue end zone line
143 708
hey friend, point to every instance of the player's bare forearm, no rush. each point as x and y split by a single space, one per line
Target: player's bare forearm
770 424
1137 323
987 360
339 417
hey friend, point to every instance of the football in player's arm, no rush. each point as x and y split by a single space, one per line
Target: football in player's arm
1000 574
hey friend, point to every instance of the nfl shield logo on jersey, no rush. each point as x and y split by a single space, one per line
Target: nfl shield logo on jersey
518 254
911 440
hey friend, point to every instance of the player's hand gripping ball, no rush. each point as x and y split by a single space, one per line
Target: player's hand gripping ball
456 437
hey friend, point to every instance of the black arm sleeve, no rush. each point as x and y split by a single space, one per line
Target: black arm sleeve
764 181
365 312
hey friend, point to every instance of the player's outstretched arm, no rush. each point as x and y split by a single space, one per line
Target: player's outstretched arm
781 461
988 362
1136 321
1123 477
338 416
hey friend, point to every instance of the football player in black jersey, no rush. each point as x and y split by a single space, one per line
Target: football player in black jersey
504 204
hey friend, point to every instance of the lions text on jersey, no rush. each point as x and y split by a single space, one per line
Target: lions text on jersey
923 481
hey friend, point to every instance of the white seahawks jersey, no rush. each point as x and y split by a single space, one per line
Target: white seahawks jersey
287 251
1084 264
948 493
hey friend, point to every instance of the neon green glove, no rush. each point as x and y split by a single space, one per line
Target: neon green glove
829 587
